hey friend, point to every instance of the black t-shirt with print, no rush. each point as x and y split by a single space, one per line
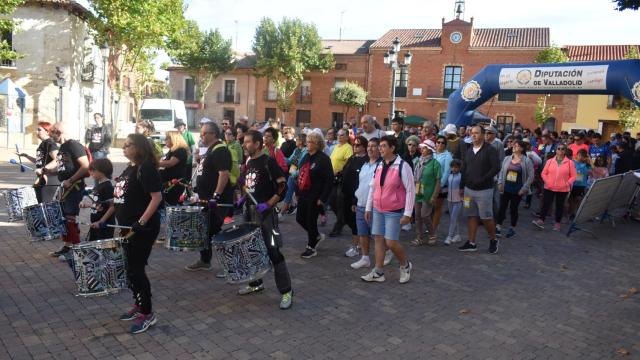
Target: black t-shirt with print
67 158
215 160
98 138
261 177
43 156
132 192
100 196
177 171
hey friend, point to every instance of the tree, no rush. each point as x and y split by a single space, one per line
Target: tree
133 29
8 25
350 95
205 55
552 54
284 53
543 111
622 5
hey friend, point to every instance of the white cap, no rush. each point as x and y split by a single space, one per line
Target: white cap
205 120
450 129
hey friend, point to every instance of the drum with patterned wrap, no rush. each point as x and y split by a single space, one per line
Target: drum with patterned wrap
100 267
17 200
242 253
186 229
45 221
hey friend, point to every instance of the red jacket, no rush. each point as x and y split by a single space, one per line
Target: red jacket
559 178
277 154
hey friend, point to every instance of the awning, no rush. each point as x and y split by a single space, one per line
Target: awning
414 120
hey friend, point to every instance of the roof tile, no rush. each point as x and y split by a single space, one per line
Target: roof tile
598 52
347 47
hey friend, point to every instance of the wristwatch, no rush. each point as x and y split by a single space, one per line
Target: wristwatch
141 222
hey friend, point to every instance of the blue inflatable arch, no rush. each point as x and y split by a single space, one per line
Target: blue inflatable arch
600 77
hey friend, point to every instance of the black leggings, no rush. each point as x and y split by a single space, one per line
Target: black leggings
307 217
273 241
512 201
547 200
138 250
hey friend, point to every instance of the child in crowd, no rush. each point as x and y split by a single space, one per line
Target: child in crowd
454 202
583 169
600 169
102 208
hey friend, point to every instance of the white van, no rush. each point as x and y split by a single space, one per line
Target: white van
164 113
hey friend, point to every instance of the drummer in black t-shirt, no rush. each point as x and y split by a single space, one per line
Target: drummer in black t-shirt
174 164
136 198
102 211
73 167
266 182
45 155
213 185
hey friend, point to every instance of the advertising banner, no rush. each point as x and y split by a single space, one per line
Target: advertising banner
588 77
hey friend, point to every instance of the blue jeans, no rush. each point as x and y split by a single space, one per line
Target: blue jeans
100 154
291 188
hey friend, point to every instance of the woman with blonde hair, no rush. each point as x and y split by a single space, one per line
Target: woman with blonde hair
174 164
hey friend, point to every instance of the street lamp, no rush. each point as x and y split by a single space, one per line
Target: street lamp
104 51
391 59
61 82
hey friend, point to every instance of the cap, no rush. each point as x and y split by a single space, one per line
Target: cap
179 123
428 144
205 120
450 129
491 129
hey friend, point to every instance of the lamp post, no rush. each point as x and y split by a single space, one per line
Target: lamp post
61 82
391 59
104 51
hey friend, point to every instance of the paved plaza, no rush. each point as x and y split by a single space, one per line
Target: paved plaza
543 296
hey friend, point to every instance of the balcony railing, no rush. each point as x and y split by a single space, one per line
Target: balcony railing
224 98
270 96
8 63
303 98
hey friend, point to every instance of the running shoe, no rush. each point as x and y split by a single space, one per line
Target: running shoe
373 276
286 301
493 246
132 314
361 263
143 322
468 246
352 251
405 273
539 223
197 266
308 253
248 289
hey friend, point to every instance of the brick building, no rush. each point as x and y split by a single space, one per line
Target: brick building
443 59
312 101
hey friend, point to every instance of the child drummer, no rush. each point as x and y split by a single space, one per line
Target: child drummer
265 181
102 209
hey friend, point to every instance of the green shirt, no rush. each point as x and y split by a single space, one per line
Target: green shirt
431 174
188 138
236 158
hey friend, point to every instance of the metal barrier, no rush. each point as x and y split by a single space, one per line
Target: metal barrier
605 198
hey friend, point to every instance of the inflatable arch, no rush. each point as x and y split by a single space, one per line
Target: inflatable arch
600 77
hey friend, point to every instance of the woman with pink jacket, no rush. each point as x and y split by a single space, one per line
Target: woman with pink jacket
558 175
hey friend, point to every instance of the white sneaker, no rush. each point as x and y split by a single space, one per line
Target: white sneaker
405 273
406 227
456 239
448 241
352 251
361 263
388 256
373 277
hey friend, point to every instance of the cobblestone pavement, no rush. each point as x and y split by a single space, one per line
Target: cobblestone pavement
544 296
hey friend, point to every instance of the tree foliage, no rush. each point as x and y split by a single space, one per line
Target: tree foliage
622 5
132 28
350 95
205 55
550 55
543 110
7 24
285 52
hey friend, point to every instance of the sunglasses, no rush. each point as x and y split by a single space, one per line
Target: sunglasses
410 144
440 142
562 148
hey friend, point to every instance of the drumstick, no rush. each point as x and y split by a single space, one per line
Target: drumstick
19 158
255 202
22 167
109 225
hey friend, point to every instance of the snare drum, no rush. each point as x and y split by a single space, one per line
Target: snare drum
242 253
45 221
18 199
187 228
100 267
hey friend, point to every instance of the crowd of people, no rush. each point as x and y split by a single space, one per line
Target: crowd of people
378 183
